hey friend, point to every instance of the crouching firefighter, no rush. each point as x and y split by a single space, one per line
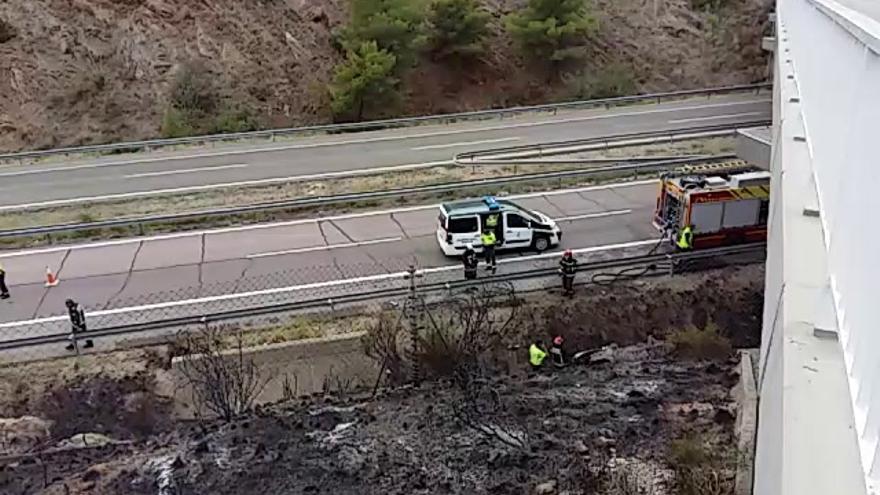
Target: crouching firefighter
470 262
77 325
567 270
685 239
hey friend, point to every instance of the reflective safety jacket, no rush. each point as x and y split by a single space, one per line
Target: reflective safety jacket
492 220
536 355
685 238
488 238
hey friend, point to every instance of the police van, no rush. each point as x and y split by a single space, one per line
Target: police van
461 223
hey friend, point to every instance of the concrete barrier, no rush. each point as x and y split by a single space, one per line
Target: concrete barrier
294 369
746 395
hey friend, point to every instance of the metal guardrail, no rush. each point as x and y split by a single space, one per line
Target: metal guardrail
663 263
570 146
638 167
385 124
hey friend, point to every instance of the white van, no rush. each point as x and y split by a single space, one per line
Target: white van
462 221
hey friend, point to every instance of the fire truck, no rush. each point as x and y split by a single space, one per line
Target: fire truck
723 206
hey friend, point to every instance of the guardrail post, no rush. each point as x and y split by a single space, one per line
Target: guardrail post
415 306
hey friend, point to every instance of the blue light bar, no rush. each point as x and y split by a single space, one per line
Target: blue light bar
491 203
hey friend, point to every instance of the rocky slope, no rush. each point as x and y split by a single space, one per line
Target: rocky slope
85 71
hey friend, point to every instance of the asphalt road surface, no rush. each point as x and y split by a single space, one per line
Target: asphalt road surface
133 272
164 172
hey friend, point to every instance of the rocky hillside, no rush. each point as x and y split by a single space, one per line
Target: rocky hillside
87 71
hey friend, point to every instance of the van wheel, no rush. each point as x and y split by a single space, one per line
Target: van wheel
541 244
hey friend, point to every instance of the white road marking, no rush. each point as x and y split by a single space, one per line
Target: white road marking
324 248
449 132
296 178
187 171
714 117
320 285
346 216
603 214
465 143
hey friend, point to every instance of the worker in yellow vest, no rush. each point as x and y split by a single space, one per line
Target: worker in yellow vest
488 241
537 354
685 238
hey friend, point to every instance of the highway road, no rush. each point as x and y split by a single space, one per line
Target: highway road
167 172
133 272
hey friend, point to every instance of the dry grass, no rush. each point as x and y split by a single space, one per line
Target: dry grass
705 343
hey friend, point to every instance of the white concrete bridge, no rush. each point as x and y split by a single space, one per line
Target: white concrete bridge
819 373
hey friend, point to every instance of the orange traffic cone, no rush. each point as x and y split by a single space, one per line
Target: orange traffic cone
51 279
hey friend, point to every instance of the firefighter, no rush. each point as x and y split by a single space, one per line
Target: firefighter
685 238
4 291
567 269
556 352
488 240
537 354
469 259
77 325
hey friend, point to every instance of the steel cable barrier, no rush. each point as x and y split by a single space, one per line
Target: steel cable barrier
316 293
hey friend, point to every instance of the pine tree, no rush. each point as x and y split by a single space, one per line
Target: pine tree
365 80
553 30
456 28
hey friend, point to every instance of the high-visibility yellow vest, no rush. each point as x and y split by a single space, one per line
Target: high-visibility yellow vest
536 355
488 238
492 221
685 239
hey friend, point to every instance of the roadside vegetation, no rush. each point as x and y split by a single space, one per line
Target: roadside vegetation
386 38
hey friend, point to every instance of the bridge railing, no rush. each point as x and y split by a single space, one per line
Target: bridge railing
835 55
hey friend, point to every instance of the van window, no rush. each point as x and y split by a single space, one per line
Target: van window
462 225
515 221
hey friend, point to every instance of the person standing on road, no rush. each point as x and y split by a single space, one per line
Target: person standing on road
488 240
77 317
469 259
4 291
567 269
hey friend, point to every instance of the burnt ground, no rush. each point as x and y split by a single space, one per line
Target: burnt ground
411 441
521 432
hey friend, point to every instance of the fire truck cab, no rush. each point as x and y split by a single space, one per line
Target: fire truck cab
721 208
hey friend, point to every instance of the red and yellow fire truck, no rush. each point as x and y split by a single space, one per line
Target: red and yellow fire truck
723 207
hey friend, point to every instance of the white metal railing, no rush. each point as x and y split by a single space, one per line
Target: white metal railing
835 54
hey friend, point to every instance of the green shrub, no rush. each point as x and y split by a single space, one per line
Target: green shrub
234 120
394 25
608 82
456 28
177 123
694 343
364 81
193 90
553 30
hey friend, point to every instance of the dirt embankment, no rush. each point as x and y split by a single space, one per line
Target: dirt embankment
100 70
637 408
